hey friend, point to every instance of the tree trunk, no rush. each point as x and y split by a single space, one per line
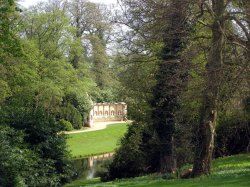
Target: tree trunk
169 80
164 104
247 12
167 159
208 114
75 61
78 35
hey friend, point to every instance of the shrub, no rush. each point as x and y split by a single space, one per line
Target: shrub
169 176
129 159
81 102
15 160
184 143
232 135
66 125
71 114
52 166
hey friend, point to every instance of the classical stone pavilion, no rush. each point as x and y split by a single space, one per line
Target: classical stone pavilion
105 112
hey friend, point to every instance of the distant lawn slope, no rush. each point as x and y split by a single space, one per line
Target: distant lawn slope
96 142
233 171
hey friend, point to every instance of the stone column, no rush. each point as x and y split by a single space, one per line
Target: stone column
116 112
103 111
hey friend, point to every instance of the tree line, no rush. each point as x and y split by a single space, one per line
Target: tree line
180 65
188 85
53 66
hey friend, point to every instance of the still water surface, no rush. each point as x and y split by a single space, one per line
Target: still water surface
91 167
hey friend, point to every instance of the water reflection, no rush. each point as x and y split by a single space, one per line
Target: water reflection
91 167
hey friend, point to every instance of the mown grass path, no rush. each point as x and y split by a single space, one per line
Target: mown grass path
96 142
233 171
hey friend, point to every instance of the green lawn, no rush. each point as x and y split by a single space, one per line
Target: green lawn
231 171
96 142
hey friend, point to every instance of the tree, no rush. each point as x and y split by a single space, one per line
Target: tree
77 11
215 78
51 38
164 26
8 33
208 116
170 80
29 130
92 28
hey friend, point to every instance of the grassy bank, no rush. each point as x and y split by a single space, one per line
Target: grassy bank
96 142
231 171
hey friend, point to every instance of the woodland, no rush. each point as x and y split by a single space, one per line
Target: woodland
181 66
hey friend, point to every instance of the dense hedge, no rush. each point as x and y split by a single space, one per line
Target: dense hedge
129 159
232 135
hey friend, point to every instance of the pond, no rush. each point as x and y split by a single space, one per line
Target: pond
91 167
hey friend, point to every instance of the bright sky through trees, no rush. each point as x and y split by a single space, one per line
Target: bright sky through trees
27 3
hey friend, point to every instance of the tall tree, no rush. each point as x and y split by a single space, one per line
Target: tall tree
44 158
208 115
92 27
159 29
224 15
88 19
169 81
78 12
8 32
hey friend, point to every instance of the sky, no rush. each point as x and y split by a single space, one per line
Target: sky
27 3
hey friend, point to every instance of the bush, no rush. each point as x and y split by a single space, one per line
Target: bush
66 125
169 176
184 140
232 135
129 159
81 102
52 166
15 160
71 114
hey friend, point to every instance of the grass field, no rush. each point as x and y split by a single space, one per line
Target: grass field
96 142
231 171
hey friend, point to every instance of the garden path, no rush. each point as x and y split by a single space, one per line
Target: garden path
97 126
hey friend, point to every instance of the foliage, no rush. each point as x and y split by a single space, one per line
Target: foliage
129 159
92 29
41 91
164 70
232 135
15 158
41 137
71 114
8 38
185 142
152 75
77 104
133 89
66 125
54 63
